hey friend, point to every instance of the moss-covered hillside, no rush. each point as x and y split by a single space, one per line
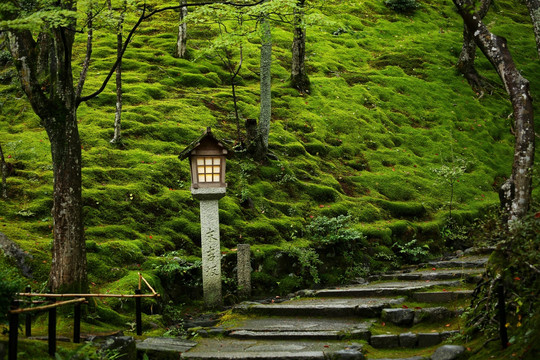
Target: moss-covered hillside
386 110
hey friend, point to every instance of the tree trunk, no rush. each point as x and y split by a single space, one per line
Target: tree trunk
299 78
466 59
517 190
181 42
259 148
534 11
54 101
68 269
117 137
4 173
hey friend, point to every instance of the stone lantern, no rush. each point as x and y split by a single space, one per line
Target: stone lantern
207 157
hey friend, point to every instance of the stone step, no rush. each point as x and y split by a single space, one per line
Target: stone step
231 349
410 317
468 275
396 288
464 263
409 339
284 335
441 296
164 348
332 307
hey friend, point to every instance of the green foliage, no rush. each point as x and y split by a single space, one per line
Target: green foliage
402 6
514 265
412 252
333 231
308 259
9 286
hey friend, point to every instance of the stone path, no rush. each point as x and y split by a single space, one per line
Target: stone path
413 309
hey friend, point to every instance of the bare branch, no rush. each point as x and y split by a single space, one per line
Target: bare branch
86 63
143 17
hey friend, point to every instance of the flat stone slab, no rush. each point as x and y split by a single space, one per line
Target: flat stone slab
442 296
165 345
294 328
259 349
466 274
338 307
385 289
464 262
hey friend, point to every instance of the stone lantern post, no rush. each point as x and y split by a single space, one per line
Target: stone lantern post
207 163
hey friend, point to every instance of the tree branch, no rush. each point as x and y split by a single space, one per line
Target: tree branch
86 63
143 17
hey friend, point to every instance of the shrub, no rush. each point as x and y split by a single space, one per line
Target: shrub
8 288
402 6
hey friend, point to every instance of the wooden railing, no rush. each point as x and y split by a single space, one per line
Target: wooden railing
79 299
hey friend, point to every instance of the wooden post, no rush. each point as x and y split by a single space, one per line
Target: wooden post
138 312
77 323
503 333
13 333
28 318
52 330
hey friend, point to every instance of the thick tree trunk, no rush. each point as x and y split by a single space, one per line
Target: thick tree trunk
517 190
299 78
54 101
534 11
68 269
466 59
3 168
117 137
181 42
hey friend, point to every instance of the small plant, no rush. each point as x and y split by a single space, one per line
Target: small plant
331 231
450 174
8 288
412 251
308 259
402 6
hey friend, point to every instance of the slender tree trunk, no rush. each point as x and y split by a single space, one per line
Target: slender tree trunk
4 173
181 42
299 78
516 192
534 11
259 147
466 59
119 44
54 101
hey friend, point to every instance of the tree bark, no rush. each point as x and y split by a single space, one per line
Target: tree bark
181 43
517 190
259 147
299 78
466 59
4 173
117 137
54 101
534 11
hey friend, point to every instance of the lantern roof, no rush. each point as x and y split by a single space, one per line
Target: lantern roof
207 138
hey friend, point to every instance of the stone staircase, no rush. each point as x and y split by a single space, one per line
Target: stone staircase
401 315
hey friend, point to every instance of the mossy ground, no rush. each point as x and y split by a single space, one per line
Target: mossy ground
386 108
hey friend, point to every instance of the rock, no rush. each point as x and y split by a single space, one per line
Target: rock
408 340
13 251
448 352
384 341
124 346
164 348
432 314
348 354
448 334
400 317
428 339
